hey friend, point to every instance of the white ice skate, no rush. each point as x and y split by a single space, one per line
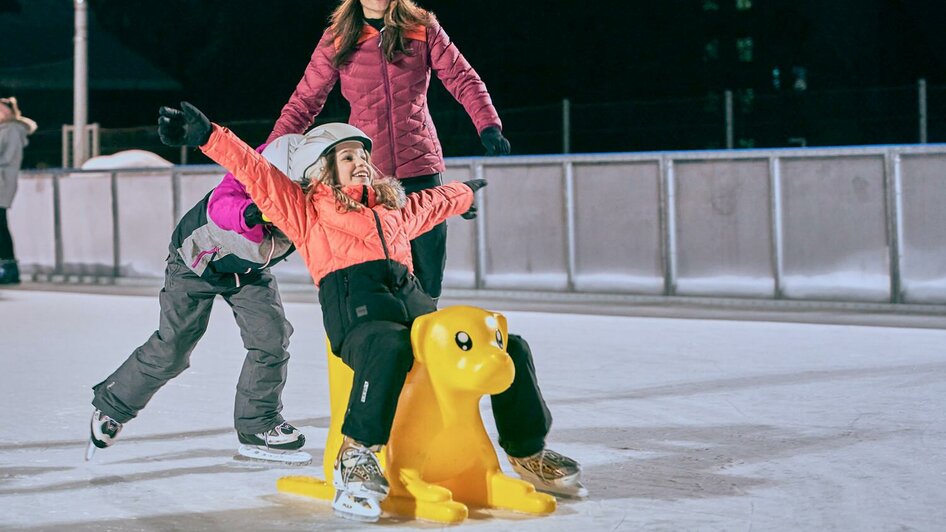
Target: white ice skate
551 472
279 444
360 485
103 432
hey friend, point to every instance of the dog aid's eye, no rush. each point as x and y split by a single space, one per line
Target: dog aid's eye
464 341
499 339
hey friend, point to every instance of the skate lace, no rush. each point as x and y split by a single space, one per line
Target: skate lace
548 465
277 431
359 463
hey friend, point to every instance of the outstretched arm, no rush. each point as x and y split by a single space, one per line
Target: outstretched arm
278 197
429 207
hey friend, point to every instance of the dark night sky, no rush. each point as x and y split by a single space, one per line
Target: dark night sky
242 58
239 60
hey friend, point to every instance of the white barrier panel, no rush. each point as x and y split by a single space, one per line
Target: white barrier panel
32 222
524 228
87 237
723 240
145 222
835 233
617 229
923 211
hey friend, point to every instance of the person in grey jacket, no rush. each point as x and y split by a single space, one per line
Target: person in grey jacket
221 246
14 128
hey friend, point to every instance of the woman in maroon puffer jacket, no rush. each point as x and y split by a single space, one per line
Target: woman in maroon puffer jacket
382 52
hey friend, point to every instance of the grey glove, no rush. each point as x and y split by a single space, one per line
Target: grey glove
474 184
184 127
494 141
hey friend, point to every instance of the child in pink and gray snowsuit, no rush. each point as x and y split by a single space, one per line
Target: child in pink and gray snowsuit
222 246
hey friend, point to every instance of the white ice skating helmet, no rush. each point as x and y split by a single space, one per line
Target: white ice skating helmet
279 153
320 139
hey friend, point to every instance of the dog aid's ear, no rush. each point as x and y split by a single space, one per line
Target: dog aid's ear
419 331
503 328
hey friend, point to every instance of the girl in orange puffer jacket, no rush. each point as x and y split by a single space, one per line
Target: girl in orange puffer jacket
353 229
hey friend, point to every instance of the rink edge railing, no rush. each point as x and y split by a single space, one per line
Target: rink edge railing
668 208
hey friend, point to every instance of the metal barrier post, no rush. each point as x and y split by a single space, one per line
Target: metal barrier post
893 194
921 104
566 126
116 235
480 236
775 212
57 227
667 224
569 178
175 196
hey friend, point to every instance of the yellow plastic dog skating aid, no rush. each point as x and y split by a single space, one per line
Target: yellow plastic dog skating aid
439 458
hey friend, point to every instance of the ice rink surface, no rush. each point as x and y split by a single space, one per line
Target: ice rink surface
680 424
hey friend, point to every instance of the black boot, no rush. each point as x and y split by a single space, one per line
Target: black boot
9 272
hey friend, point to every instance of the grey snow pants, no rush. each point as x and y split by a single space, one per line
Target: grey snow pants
186 301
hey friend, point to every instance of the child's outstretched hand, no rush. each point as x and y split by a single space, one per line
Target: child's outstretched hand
184 127
474 184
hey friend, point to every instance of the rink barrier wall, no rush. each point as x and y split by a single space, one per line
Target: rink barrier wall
855 224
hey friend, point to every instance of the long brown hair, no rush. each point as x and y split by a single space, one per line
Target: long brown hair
388 190
347 20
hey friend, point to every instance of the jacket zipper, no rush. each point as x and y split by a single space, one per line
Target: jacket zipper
387 98
384 243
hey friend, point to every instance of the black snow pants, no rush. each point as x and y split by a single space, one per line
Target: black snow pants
429 250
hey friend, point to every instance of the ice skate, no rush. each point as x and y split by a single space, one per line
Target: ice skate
551 473
103 432
278 444
360 485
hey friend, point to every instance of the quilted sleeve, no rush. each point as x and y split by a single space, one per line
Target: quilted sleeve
309 97
429 207
460 79
278 197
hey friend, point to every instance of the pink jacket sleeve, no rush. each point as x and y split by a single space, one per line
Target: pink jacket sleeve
458 76
309 97
429 207
227 203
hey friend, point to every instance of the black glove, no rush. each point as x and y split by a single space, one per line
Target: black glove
252 216
474 184
494 141
184 127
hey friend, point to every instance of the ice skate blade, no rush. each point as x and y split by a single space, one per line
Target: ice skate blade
358 491
353 508
567 487
90 451
258 454
578 493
